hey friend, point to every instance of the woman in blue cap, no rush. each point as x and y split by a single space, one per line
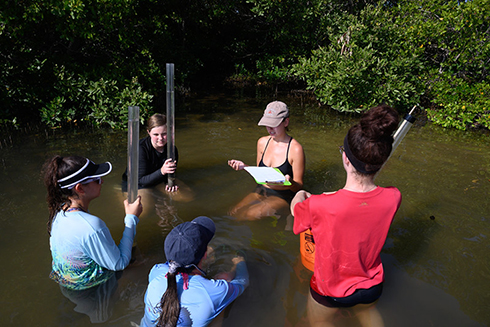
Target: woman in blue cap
178 293
84 253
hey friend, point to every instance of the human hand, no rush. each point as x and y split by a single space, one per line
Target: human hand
226 275
135 208
236 260
303 195
169 167
281 183
236 164
299 197
230 275
171 189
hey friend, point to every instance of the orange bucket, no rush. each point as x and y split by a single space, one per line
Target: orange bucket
307 249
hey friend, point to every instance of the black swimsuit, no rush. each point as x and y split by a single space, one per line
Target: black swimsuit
286 169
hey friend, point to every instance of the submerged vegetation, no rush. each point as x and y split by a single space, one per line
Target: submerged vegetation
65 61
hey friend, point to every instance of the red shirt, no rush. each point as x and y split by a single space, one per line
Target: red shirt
349 230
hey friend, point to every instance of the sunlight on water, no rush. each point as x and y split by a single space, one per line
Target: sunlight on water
436 255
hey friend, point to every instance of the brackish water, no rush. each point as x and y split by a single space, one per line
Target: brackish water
436 257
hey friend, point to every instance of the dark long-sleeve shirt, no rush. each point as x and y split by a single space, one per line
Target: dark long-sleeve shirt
149 164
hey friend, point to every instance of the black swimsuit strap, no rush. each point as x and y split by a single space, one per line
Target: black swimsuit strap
262 159
287 151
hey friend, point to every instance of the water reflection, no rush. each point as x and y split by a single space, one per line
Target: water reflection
437 270
96 302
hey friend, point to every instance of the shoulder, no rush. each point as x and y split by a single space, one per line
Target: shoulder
77 224
295 144
145 143
322 198
93 221
296 148
390 189
211 286
393 191
263 141
160 269
144 140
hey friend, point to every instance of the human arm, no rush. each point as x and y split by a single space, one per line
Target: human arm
300 209
231 274
261 143
150 165
297 160
241 279
174 187
240 165
135 208
230 290
169 167
236 164
100 245
299 197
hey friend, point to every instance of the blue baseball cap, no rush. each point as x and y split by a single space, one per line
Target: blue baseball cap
187 243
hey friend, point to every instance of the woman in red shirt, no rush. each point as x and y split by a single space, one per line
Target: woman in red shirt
350 225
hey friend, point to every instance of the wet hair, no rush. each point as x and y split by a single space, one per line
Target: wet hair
370 140
156 120
55 169
170 304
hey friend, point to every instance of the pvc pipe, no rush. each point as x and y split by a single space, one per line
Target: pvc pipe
133 152
170 119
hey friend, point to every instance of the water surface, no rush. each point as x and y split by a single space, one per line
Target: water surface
436 256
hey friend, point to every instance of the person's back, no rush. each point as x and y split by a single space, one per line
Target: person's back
350 226
70 236
177 293
350 229
200 303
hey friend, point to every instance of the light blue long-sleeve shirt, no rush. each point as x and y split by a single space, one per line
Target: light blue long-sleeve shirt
83 250
200 303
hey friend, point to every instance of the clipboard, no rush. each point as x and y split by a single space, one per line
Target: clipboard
267 175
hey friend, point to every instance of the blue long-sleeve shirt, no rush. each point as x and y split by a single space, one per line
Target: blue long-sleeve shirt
200 303
83 250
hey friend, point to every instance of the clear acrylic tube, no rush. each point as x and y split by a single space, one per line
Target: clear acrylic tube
170 119
133 152
403 129
400 133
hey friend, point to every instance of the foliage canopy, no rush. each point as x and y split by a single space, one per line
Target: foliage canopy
87 60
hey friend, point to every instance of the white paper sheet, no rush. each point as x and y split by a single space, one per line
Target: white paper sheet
263 175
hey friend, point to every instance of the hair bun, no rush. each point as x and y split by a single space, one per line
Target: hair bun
379 123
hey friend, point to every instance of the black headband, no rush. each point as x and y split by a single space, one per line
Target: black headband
358 164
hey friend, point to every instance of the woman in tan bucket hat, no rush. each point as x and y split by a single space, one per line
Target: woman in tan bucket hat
278 150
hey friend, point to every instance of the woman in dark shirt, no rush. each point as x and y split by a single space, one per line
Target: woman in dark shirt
154 167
